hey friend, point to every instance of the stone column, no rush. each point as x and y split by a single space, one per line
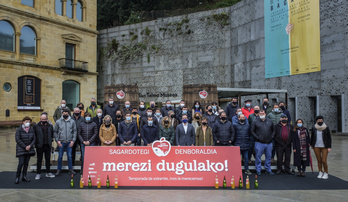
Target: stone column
17 45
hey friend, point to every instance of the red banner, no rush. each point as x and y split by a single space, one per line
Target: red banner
162 165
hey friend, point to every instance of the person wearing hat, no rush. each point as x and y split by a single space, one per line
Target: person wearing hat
283 141
247 109
321 144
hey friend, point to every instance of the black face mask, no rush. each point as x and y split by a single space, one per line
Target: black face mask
205 123
65 116
223 118
210 110
81 108
43 122
166 122
265 103
282 107
134 113
257 111
197 117
320 123
173 115
234 103
93 103
77 114
284 121
118 116
242 120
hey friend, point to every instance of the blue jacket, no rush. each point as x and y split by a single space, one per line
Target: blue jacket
235 119
127 133
223 132
149 133
242 138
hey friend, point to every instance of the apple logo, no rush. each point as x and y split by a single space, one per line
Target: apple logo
161 147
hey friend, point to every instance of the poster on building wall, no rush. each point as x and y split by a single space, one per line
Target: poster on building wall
29 93
292 37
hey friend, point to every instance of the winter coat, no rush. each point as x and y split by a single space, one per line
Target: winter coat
278 135
275 116
165 110
185 139
88 131
268 109
189 117
23 139
65 130
209 139
78 121
231 111
167 133
326 137
296 145
223 132
252 118
127 133
143 121
211 119
142 112
235 119
247 112
58 113
107 134
242 137
126 111
91 111
111 111
263 131
39 135
149 134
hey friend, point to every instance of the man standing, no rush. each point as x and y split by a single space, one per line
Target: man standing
247 109
283 140
266 107
232 108
185 133
58 112
144 119
223 131
127 131
235 119
251 119
78 120
285 111
186 112
167 108
44 137
126 109
179 109
99 121
158 117
92 109
119 120
65 135
110 109
149 132
275 114
153 106
263 131
210 116
142 109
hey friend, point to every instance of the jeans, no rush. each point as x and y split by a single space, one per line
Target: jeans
61 152
281 152
23 162
321 154
83 153
46 149
245 154
261 148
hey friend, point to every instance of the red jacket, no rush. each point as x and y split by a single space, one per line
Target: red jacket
246 111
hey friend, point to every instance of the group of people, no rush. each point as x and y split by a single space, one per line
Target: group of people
256 130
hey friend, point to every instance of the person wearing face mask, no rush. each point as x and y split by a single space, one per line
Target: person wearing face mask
186 112
232 108
263 131
127 132
166 130
65 134
197 107
92 109
242 129
99 121
25 141
215 108
179 109
210 116
119 120
142 109
78 119
266 106
166 108
87 133
275 114
235 118
301 143
158 117
149 132
110 109
285 111
204 134
44 137
136 119
144 119
321 144
196 120
58 112
247 109
283 140
251 119
223 131
107 132
153 106
173 121
126 109
185 133
81 106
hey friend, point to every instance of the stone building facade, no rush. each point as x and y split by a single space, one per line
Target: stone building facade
207 48
48 52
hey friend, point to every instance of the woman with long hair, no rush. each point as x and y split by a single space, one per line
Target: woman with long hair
301 144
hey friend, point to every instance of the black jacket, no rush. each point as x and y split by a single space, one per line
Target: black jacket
211 119
127 133
143 121
278 135
88 131
262 131
242 135
326 137
231 111
223 132
165 110
111 111
149 133
23 139
39 135
189 117
142 112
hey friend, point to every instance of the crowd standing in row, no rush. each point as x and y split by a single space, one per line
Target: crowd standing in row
256 130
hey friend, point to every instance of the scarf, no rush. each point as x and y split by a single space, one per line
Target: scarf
303 144
320 128
25 128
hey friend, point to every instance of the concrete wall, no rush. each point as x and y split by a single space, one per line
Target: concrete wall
232 56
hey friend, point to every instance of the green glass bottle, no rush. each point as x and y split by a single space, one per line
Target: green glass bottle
107 182
89 182
224 183
240 183
256 185
72 181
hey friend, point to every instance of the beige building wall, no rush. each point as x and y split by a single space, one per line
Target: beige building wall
53 31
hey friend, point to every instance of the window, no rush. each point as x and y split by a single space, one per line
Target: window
69 9
29 92
71 93
7 87
79 11
69 55
28 41
7 36
59 7
28 2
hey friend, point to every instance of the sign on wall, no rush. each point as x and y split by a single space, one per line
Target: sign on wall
292 37
29 92
162 165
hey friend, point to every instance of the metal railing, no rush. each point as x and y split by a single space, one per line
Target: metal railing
73 64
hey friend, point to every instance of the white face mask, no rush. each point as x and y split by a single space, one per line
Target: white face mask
142 106
182 105
262 117
111 102
99 114
27 124
63 105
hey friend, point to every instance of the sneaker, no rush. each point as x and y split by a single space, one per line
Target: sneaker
248 172
325 176
50 175
38 176
320 175
71 171
270 173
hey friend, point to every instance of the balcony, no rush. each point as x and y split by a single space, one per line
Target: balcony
73 65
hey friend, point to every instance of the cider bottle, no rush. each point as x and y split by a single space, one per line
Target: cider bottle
247 183
216 182
233 186
98 182
224 183
256 185
89 182
72 181
107 182
116 182
240 183
81 182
